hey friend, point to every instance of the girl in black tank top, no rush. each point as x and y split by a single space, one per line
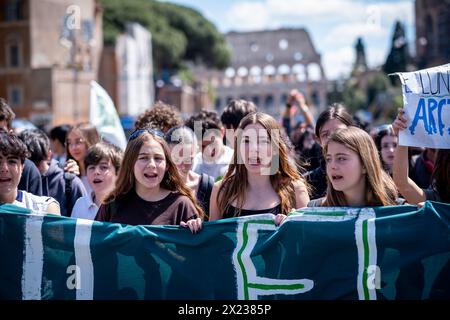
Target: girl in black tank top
232 211
261 178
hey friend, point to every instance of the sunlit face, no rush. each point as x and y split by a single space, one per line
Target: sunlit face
330 127
102 176
150 166
256 149
388 146
10 172
183 156
344 168
77 146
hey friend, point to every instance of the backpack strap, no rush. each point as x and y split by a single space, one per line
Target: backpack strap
205 189
68 177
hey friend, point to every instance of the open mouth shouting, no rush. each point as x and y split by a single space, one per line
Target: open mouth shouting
256 161
5 180
97 181
151 176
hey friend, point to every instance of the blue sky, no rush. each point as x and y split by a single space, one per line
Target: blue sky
333 25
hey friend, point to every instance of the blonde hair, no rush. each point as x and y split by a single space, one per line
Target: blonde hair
235 182
380 188
171 181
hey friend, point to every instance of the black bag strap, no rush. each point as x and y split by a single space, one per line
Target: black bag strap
68 177
205 188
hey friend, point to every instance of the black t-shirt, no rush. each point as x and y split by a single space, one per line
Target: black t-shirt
205 187
132 209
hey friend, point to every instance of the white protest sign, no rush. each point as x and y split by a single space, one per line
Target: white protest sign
426 100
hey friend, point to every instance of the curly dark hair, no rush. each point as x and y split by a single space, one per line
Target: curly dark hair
38 144
6 112
161 115
208 120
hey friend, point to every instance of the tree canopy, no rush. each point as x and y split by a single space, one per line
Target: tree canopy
179 33
398 58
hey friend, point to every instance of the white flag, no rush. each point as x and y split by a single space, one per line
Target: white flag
103 115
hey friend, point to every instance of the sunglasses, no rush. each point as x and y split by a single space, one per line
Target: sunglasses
155 132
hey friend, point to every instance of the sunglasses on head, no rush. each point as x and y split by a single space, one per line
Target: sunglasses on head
155 132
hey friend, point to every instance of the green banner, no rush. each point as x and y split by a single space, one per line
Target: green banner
318 253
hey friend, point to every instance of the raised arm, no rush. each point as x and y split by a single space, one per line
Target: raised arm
407 187
304 109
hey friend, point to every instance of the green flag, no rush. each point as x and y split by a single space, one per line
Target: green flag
319 253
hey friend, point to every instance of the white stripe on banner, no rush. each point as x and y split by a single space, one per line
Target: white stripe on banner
368 271
33 261
83 260
374 271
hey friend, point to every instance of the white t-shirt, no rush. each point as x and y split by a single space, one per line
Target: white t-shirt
38 204
86 184
85 208
214 169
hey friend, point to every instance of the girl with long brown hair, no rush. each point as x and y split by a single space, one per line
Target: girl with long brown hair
260 178
354 172
149 189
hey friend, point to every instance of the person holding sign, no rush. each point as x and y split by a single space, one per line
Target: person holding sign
440 186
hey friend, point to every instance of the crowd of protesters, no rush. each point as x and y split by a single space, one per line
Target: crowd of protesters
211 166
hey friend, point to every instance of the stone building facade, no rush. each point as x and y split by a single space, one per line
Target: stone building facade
432 32
126 70
266 66
49 53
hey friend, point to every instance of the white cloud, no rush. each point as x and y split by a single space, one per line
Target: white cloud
314 9
389 12
334 25
248 16
344 32
376 56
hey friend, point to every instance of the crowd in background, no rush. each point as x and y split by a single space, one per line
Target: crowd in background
178 171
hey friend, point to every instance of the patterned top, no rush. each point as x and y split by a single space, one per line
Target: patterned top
39 204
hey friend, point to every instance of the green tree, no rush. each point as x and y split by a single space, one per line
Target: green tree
398 58
354 97
179 33
378 83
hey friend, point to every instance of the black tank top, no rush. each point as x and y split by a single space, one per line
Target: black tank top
231 211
